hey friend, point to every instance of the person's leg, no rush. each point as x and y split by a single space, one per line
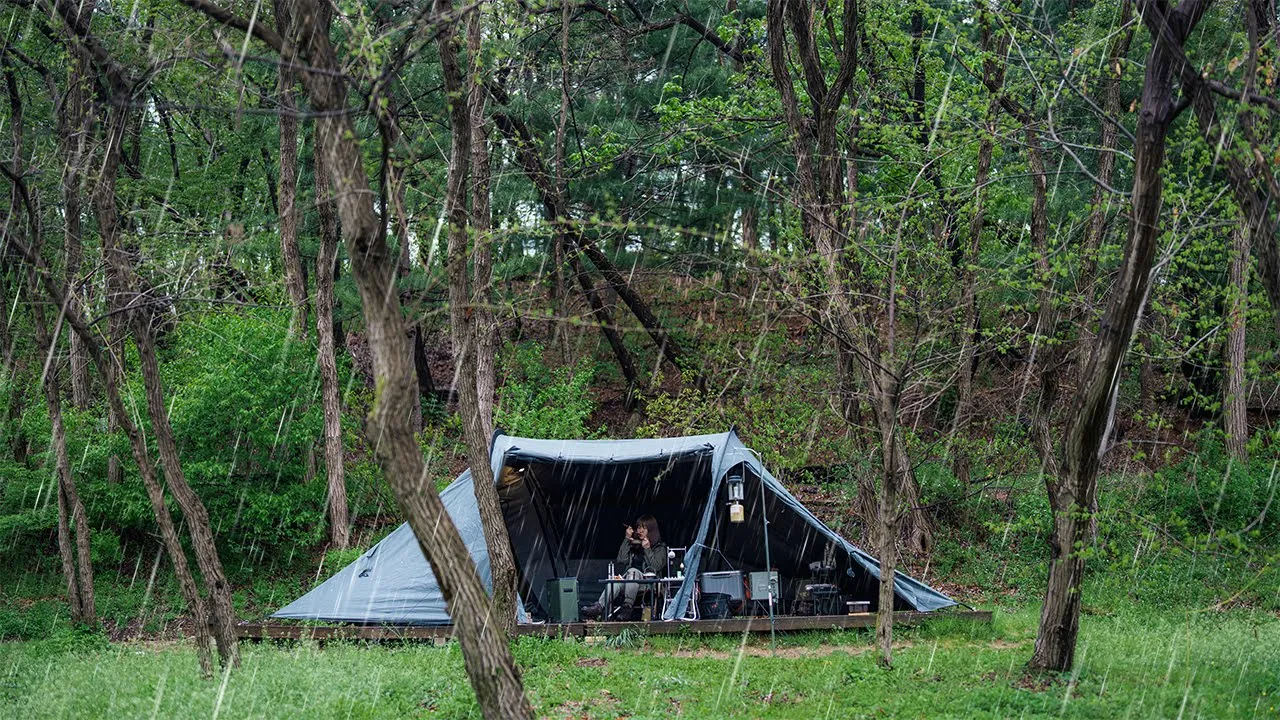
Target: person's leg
632 589
609 594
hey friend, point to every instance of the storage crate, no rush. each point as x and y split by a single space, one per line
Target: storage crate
728 582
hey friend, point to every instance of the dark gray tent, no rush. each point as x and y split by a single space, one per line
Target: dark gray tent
565 502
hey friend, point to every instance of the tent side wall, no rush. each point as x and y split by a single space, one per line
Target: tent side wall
392 582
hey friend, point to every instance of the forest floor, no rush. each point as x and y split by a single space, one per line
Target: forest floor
1138 661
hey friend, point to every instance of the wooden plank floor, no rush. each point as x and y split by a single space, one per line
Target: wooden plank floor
789 623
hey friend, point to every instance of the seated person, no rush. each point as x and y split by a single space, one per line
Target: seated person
641 553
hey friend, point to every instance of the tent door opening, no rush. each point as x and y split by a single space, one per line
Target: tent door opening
568 519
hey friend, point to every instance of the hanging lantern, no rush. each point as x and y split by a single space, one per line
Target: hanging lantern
736 512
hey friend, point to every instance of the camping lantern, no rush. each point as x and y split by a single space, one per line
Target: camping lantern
736 513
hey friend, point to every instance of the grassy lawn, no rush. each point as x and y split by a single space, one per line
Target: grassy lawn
1140 663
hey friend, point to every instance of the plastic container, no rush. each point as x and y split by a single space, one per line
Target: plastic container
858 606
713 606
728 582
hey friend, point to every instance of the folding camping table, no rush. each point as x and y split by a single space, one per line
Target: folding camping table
660 585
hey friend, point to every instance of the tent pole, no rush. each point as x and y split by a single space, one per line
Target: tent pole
768 562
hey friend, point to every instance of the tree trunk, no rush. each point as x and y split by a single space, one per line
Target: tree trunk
888 536
293 278
107 370
77 564
74 128
138 319
604 320
483 305
487 659
1073 493
824 199
464 316
193 510
421 368
993 76
73 546
751 228
1235 418
339 519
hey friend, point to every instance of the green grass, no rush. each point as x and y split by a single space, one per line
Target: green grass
1141 662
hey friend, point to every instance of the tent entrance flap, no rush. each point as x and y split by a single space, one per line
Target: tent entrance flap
567 519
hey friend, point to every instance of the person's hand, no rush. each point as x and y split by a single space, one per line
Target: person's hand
644 543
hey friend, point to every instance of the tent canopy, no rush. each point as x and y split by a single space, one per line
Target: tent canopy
565 503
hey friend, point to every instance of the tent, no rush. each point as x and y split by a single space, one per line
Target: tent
565 503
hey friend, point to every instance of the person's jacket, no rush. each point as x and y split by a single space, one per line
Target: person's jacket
655 558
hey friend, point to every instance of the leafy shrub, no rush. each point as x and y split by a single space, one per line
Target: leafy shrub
788 429
1207 491
537 400
245 408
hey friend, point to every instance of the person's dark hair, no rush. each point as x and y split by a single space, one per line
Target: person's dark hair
650 524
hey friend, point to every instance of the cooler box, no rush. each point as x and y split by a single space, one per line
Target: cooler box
728 582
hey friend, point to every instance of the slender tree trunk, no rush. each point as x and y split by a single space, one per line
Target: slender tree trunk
77 563
107 370
1073 493
138 319
193 510
104 202
465 320
993 72
483 304
1235 418
339 519
487 659
555 209
74 137
73 545
604 319
824 201
422 368
288 194
888 536
751 228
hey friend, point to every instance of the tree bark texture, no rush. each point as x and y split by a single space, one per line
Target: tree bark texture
326 358
74 134
138 318
1235 418
465 310
1073 492
888 543
487 659
73 544
486 327
108 371
288 193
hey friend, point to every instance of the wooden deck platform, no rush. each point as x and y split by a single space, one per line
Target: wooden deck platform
737 626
